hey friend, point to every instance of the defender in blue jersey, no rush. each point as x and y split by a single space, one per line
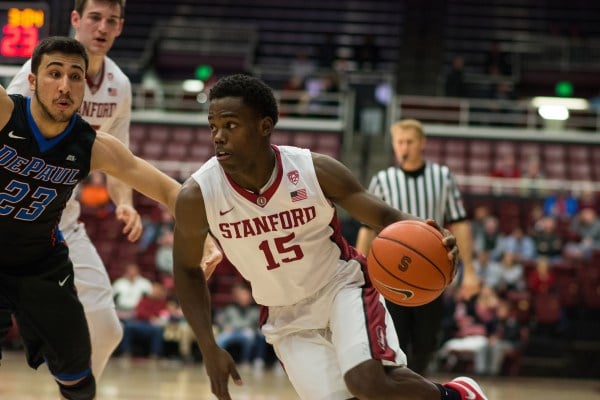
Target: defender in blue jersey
45 150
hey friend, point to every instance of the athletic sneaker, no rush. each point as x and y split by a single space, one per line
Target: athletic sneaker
467 388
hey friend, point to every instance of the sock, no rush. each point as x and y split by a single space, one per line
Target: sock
447 393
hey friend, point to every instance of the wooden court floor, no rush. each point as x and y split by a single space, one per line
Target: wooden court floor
139 379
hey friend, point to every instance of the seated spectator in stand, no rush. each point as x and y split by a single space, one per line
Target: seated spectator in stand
155 227
507 337
239 325
474 319
129 290
94 195
490 239
488 270
164 254
587 197
586 226
531 178
541 279
561 204
519 244
455 85
178 330
480 214
512 279
548 242
506 167
497 62
148 323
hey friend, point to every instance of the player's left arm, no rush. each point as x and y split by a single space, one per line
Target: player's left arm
111 156
341 186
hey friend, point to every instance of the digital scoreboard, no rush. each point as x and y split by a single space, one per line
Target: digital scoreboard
23 25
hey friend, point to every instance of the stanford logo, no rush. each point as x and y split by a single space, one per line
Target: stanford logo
294 176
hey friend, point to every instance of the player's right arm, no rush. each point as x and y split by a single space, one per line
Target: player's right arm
191 228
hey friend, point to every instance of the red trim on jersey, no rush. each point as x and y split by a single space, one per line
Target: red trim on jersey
253 197
376 327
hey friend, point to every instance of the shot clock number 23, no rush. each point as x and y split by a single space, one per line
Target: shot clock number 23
23 25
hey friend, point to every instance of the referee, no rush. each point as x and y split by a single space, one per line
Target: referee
427 190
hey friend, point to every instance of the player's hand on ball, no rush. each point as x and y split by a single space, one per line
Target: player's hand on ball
449 242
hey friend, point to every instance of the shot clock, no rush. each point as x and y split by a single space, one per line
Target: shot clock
23 25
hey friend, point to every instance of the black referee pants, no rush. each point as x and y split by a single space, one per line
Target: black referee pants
418 331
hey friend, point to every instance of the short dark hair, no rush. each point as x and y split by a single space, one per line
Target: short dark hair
80 5
57 44
254 93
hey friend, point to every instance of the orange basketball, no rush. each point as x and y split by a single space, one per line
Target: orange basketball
408 263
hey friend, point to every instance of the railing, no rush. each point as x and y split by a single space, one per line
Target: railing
487 113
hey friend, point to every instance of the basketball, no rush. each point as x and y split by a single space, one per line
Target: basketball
408 263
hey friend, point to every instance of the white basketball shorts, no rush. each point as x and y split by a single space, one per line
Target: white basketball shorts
322 337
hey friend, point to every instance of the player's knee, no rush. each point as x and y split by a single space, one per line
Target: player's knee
114 332
85 389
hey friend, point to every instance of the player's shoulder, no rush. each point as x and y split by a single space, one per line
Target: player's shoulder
114 73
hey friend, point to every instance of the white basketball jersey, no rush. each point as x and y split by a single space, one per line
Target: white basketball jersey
286 241
106 106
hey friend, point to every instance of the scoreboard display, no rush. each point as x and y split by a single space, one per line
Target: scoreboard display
23 25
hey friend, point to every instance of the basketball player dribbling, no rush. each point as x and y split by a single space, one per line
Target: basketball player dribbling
107 107
271 208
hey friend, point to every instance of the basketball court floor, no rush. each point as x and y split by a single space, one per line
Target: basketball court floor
138 379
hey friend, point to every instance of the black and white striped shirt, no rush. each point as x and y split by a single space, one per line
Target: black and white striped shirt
429 192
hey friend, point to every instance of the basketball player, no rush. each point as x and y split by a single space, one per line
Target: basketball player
429 191
107 107
46 149
272 211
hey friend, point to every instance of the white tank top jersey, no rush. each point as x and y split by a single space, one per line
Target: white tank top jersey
287 241
106 106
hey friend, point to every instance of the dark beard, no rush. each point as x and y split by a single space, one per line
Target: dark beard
59 118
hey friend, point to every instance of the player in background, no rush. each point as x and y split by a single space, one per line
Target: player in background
271 208
107 107
429 191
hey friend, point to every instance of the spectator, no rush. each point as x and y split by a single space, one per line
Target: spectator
587 228
129 290
561 204
455 85
473 320
238 325
506 167
148 322
164 253
178 330
541 279
531 185
505 338
490 239
512 278
153 228
520 244
94 195
488 270
497 61
548 242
